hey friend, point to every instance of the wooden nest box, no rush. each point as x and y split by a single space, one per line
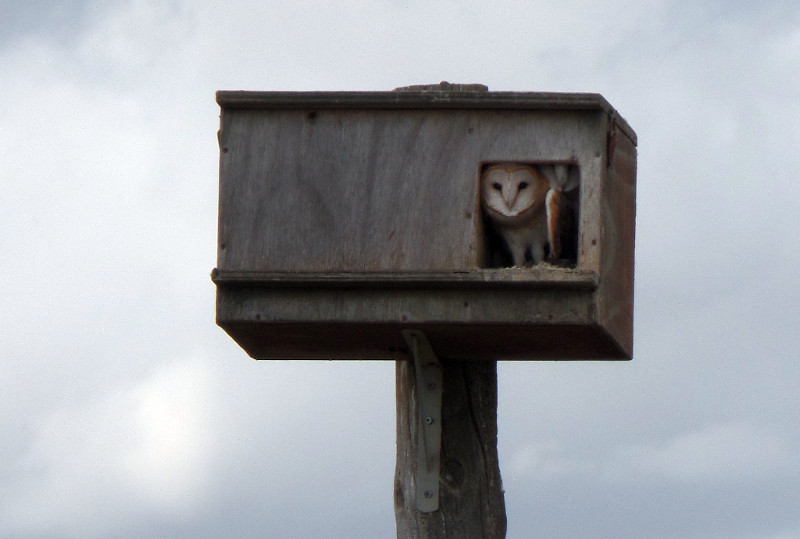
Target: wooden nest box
348 217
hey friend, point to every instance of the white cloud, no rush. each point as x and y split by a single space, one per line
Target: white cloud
108 213
547 460
170 462
94 468
718 453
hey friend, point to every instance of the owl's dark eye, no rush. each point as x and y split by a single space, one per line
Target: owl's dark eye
523 185
497 186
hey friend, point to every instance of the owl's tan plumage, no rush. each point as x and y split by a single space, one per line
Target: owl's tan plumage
524 211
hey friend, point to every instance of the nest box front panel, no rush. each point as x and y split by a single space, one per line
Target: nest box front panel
345 190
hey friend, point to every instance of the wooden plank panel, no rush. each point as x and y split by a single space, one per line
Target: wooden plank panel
374 190
615 298
425 100
478 342
407 304
519 278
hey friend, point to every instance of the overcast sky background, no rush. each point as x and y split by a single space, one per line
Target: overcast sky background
127 413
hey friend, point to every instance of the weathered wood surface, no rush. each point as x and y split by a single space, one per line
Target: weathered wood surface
378 190
354 316
340 210
535 277
615 299
471 500
371 341
461 97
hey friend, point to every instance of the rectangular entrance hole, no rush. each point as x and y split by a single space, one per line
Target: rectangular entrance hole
531 213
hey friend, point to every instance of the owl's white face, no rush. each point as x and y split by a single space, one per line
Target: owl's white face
513 193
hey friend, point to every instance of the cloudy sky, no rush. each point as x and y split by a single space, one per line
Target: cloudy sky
128 413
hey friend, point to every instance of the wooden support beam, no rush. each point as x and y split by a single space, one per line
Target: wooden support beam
471 501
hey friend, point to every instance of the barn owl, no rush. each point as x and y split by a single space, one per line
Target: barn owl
524 210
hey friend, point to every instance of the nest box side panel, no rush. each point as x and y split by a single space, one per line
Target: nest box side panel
615 296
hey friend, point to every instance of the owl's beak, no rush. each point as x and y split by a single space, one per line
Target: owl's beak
510 195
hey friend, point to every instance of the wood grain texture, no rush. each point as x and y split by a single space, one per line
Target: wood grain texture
469 342
459 98
471 499
535 277
615 298
375 190
345 209
505 314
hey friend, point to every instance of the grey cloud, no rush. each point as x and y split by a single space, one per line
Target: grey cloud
109 223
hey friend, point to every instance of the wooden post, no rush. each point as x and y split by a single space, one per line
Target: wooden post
471 502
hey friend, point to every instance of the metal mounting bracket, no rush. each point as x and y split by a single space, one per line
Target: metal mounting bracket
428 372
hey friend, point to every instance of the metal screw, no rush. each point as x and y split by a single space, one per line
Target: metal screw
428 494
429 420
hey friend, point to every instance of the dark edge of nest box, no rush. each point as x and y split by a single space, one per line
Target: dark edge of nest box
556 278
